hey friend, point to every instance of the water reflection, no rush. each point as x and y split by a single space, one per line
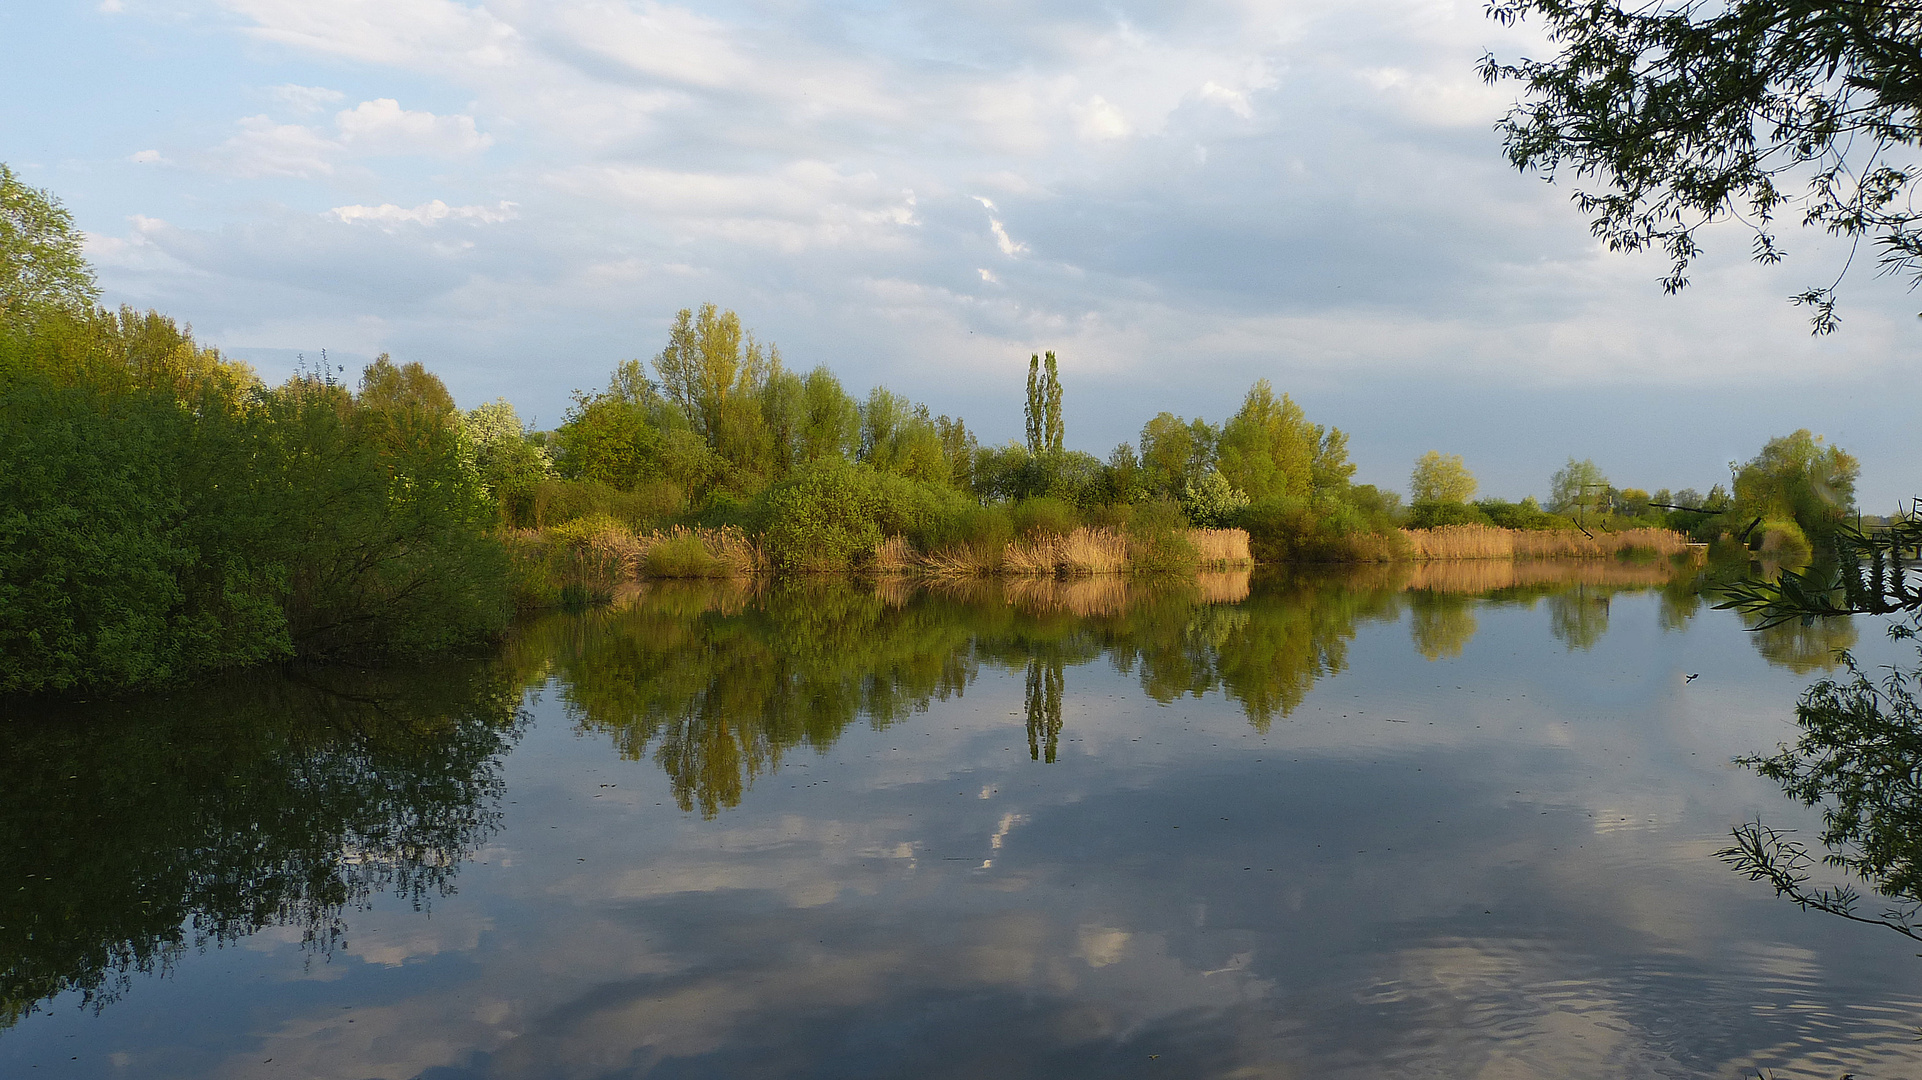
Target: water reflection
719 682
133 832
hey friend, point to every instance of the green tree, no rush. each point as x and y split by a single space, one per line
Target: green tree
832 426
1043 412
1440 478
1578 486
41 264
1175 451
1691 113
1268 448
1801 479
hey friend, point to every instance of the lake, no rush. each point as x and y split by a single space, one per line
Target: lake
1455 820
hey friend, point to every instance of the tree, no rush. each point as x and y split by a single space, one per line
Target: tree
1043 412
1691 112
1576 486
1175 451
41 264
1798 478
1440 479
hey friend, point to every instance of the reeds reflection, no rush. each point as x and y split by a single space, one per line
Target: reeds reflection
718 682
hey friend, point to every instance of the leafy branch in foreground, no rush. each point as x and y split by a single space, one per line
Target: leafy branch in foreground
1690 112
1764 854
1860 757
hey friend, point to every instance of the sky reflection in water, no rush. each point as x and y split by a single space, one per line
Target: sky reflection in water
1452 821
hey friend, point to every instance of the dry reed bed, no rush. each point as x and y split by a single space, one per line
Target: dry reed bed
1085 551
602 553
1488 542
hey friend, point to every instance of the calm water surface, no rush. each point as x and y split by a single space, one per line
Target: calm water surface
1451 823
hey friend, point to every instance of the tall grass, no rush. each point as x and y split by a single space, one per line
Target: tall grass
1489 542
1221 547
1085 550
594 559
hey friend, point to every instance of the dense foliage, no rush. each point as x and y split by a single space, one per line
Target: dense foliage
162 514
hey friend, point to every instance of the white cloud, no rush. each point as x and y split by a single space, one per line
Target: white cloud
146 157
305 99
1100 121
1233 100
1008 245
381 126
388 215
264 148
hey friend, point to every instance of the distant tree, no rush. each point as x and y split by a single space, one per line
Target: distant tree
509 464
1123 480
1043 412
832 428
1175 451
898 437
960 447
1689 112
1576 486
1212 502
41 264
1798 478
1440 478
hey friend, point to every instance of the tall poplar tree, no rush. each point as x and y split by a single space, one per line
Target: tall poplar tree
1043 412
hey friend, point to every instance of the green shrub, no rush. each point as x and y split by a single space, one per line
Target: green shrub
824 519
556 502
1782 540
982 528
1044 516
1429 515
1158 539
1212 502
682 556
1525 515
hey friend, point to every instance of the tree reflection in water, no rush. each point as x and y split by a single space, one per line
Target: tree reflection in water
719 682
1859 755
134 831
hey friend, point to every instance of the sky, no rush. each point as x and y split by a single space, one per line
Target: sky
1177 200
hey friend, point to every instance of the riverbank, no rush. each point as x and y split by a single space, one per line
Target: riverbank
592 559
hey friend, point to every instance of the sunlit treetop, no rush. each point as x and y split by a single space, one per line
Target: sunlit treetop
41 264
1688 112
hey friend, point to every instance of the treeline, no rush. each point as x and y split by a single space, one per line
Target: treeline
719 432
1788 500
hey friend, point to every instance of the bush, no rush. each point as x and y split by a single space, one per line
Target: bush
556 502
682 555
1212 502
1432 515
1158 539
1319 529
1783 540
1044 516
824 519
978 528
1524 515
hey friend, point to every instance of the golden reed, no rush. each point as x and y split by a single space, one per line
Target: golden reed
1488 542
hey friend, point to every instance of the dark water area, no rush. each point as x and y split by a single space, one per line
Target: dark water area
1453 821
